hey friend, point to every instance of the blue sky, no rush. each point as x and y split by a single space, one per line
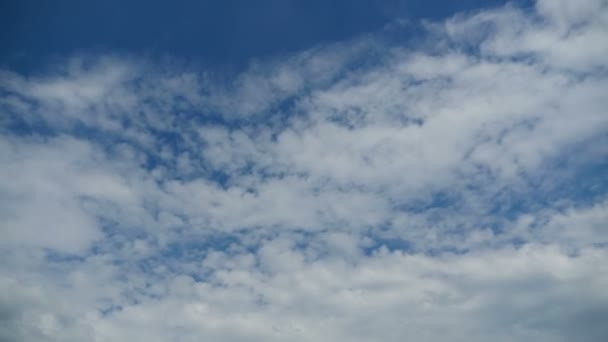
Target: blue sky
304 171
225 34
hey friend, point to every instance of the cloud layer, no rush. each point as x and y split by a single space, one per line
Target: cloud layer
373 190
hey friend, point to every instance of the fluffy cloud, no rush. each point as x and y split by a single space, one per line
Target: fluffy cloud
363 191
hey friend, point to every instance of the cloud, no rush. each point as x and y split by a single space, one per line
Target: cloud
362 191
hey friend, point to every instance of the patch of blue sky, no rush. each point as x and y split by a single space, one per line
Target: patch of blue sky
225 34
379 244
574 177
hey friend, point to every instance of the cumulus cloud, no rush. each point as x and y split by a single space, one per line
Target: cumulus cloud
361 191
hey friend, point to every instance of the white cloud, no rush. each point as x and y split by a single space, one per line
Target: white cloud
452 188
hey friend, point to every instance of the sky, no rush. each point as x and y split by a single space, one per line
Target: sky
304 171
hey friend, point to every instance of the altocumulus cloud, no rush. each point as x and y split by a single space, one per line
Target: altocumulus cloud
448 187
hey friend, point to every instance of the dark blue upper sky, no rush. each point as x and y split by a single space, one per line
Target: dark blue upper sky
221 33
